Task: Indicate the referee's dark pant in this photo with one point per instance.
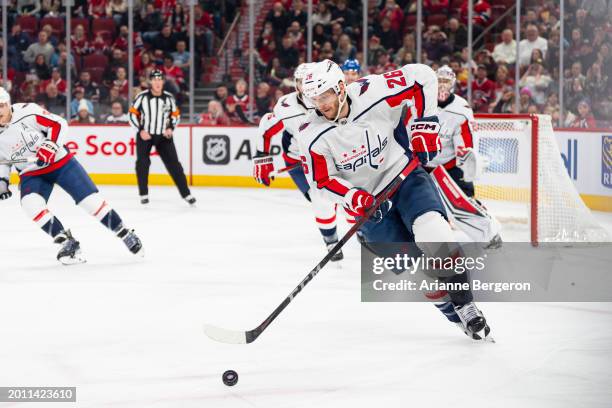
(167, 152)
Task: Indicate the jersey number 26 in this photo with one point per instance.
(395, 78)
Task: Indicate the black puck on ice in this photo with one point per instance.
(230, 377)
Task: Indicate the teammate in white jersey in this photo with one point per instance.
(285, 120)
(459, 160)
(32, 138)
(360, 145)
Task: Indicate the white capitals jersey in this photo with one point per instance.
(368, 148)
(456, 122)
(30, 125)
(287, 116)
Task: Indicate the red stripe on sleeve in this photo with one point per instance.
(268, 134)
(466, 134)
(321, 176)
(415, 92)
(51, 124)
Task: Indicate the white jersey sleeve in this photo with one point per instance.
(456, 131)
(30, 125)
(285, 120)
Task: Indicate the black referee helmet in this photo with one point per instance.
(157, 73)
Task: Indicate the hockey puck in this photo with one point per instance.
(230, 377)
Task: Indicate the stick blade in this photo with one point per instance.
(225, 335)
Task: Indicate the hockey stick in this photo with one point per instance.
(285, 169)
(244, 337)
(17, 161)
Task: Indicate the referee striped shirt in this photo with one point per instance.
(153, 113)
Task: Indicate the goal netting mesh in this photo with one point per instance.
(525, 166)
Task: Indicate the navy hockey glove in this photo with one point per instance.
(425, 139)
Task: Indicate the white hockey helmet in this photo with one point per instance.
(446, 82)
(4, 96)
(320, 77)
(447, 73)
(300, 71)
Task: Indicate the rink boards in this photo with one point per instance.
(221, 156)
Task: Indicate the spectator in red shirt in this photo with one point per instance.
(122, 82)
(97, 8)
(78, 41)
(237, 104)
(56, 80)
(175, 78)
(483, 90)
(394, 13)
(215, 115)
(481, 17)
(585, 118)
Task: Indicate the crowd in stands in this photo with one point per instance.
(337, 35)
(38, 57)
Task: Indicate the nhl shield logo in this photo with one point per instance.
(216, 149)
(606, 161)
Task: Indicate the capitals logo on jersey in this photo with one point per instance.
(365, 154)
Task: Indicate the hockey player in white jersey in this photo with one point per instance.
(360, 145)
(32, 138)
(458, 164)
(284, 121)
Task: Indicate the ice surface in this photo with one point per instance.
(128, 332)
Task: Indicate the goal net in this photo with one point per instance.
(525, 166)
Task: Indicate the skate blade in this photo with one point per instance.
(72, 260)
(140, 253)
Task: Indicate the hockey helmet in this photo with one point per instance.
(321, 77)
(351, 65)
(446, 82)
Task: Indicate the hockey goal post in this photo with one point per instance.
(524, 165)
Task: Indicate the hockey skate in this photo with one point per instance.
(144, 200)
(473, 322)
(338, 256)
(495, 243)
(131, 241)
(70, 252)
(190, 200)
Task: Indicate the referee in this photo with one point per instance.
(155, 115)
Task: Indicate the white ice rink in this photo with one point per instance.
(127, 332)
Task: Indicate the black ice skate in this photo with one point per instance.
(131, 241)
(495, 243)
(190, 200)
(70, 252)
(473, 322)
(338, 256)
(144, 200)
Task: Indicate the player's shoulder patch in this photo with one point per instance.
(288, 106)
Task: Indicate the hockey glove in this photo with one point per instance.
(425, 139)
(5, 193)
(46, 152)
(469, 161)
(262, 167)
(357, 202)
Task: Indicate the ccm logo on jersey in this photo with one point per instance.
(360, 158)
(434, 127)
